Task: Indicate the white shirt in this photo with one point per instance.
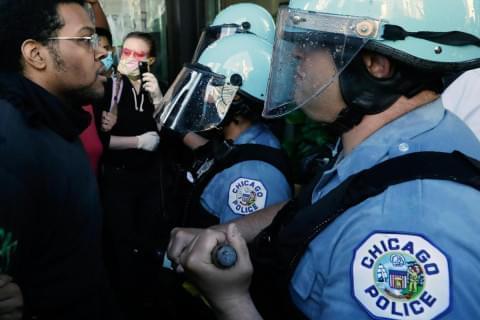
(462, 98)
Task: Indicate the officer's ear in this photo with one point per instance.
(378, 65)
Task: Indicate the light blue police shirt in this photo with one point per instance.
(411, 252)
(247, 186)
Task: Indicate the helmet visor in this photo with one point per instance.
(214, 33)
(198, 100)
(311, 51)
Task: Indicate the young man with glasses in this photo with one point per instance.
(50, 216)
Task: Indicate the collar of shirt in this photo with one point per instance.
(249, 135)
(392, 139)
(389, 141)
(40, 106)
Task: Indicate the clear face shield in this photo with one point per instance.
(214, 33)
(198, 100)
(311, 51)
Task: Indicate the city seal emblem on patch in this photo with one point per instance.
(246, 196)
(401, 276)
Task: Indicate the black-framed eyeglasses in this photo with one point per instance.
(93, 40)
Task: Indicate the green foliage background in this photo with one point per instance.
(303, 138)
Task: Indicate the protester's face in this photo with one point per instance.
(315, 70)
(105, 44)
(134, 51)
(75, 65)
(135, 48)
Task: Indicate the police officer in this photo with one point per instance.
(244, 171)
(372, 69)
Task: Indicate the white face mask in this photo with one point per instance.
(129, 67)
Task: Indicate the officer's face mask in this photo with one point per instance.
(310, 53)
(108, 61)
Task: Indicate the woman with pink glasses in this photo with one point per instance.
(130, 182)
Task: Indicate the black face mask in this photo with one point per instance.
(365, 94)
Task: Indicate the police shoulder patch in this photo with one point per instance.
(246, 196)
(401, 276)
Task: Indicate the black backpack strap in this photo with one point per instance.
(226, 156)
(278, 249)
(309, 222)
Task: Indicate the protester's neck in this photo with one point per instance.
(372, 123)
(136, 83)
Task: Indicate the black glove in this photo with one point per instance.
(167, 134)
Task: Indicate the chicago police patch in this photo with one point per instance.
(246, 196)
(401, 276)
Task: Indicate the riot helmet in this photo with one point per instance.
(237, 18)
(229, 78)
(424, 38)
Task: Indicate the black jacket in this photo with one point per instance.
(50, 216)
